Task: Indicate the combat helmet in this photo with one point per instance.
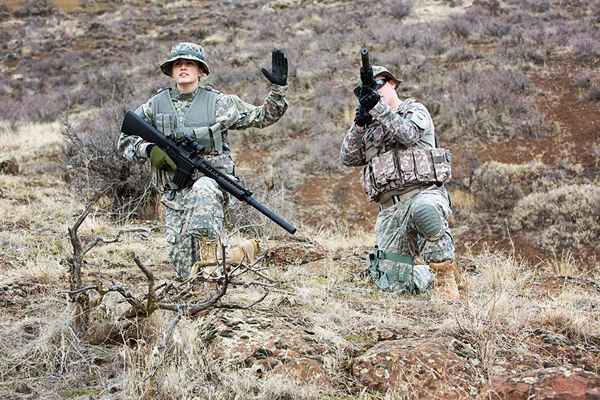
(188, 51)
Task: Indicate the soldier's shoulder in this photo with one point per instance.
(210, 88)
(160, 92)
(413, 105)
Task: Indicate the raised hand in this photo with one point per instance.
(279, 68)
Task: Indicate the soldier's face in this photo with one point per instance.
(185, 71)
(388, 93)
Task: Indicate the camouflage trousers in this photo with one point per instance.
(192, 214)
(398, 233)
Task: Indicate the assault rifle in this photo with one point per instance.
(366, 71)
(188, 159)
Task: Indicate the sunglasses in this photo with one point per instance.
(379, 83)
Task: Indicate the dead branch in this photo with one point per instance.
(239, 307)
(100, 240)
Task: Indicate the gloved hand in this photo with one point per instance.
(362, 118)
(368, 98)
(279, 68)
(160, 160)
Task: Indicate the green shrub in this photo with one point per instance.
(501, 186)
(563, 218)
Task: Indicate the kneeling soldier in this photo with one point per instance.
(203, 115)
(404, 172)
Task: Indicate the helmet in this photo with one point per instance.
(187, 51)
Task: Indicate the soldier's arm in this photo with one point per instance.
(408, 130)
(237, 114)
(352, 153)
(134, 148)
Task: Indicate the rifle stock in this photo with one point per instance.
(187, 162)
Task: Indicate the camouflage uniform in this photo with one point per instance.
(413, 216)
(196, 213)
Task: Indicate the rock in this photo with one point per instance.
(8, 165)
(547, 383)
(295, 253)
(419, 367)
(23, 388)
(267, 346)
(303, 371)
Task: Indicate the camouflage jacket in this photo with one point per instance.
(231, 112)
(407, 127)
(397, 150)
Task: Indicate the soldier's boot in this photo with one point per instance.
(207, 250)
(445, 287)
(244, 252)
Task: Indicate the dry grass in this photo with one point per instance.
(29, 141)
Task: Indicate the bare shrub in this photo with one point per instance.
(31, 8)
(583, 81)
(460, 27)
(593, 93)
(460, 54)
(537, 6)
(92, 162)
(497, 29)
(563, 218)
(585, 46)
(242, 218)
(400, 8)
(324, 152)
(492, 103)
(501, 186)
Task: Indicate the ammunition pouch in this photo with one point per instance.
(398, 169)
(210, 139)
(399, 272)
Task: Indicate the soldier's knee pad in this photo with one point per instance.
(428, 221)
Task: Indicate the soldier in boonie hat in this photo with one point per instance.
(382, 73)
(186, 51)
(202, 115)
(404, 172)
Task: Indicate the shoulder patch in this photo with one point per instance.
(419, 119)
(162, 89)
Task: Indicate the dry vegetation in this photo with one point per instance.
(513, 88)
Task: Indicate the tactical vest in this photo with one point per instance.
(195, 122)
(396, 168)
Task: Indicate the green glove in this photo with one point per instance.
(160, 159)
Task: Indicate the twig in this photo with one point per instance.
(150, 296)
(238, 307)
(99, 239)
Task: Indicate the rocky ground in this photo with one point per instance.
(528, 326)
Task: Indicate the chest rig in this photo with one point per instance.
(192, 123)
(395, 167)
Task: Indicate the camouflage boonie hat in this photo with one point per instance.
(187, 51)
(383, 71)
